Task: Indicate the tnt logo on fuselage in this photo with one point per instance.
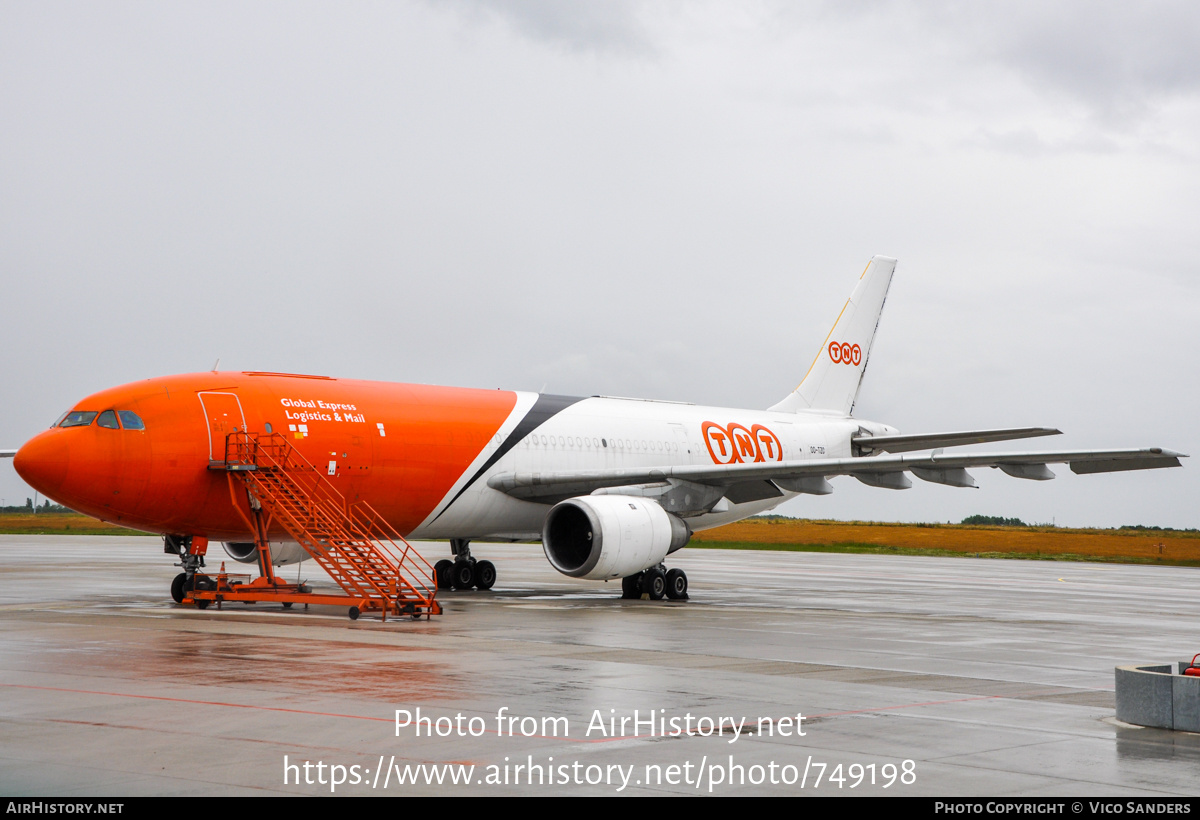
(735, 444)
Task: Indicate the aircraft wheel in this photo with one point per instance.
(677, 585)
(631, 587)
(485, 575)
(463, 575)
(198, 583)
(441, 573)
(177, 587)
(656, 583)
(354, 613)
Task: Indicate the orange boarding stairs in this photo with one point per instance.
(376, 568)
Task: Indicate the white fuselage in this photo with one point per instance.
(616, 433)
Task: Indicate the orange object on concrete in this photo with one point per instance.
(372, 563)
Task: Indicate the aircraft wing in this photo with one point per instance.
(881, 471)
(927, 441)
(7, 453)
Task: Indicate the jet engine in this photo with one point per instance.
(598, 537)
(282, 552)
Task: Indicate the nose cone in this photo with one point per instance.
(42, 463)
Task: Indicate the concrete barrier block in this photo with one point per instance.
(1185, 703)
(1145, 695)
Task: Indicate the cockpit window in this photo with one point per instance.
(131, 420)
(108, 419)
(78, 418)
(61, 419)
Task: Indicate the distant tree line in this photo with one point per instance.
(994, 521)
(44, 507)
(1144, 528)
(977, 520)
(999, 521)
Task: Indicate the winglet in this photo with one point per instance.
(833, 379)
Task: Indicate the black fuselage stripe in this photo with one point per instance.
(545, 408)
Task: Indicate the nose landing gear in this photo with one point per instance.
(191, 551)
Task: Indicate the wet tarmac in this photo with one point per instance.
(932, 676)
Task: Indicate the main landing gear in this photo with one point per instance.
(656, 582)
(464, 572)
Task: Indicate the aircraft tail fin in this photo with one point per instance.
(833, 379)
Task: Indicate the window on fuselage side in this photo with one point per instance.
(108, 420)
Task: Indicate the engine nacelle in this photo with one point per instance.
(282, 552)
(610, 536)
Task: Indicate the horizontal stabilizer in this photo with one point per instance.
(927, 441)
(7, 453)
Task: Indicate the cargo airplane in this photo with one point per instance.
(610, 486)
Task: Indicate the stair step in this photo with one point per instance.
(345, 542)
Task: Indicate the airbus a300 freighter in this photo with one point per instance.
(611, 486)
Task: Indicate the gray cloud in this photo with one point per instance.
(608, 27)
(409, 192)
(1119, 59)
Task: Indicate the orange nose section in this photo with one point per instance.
(42, 463)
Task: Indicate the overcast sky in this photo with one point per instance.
(668, 200)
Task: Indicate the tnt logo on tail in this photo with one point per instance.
(735, 444)
(843, 353)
